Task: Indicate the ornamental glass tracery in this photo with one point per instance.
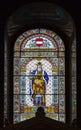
(39, 75)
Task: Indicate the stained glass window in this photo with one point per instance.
(39, 75)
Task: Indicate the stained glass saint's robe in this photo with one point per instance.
(38, 85)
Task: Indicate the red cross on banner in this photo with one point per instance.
(39, 41)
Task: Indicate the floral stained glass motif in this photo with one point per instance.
(39, 75)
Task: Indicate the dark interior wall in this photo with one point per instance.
(73, 8)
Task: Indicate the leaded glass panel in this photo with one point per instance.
(39, 75)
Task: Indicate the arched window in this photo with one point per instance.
(40, 63)
(39, 75)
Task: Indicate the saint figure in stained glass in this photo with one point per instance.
(39, 75)
(39, 81)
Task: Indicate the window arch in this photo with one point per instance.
(53, 18)
(39, 75)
